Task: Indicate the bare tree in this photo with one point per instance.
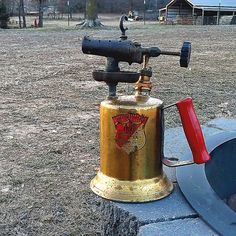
(40, 2)
(4, 16)
(40, 10)
(62, 6)
(22, 13)
(12, 6)
(91, 15)
(131, 5)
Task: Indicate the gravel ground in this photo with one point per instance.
(49, 110)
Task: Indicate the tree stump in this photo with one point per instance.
(91, 19)
(90, 23)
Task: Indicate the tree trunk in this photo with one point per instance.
(91, 9)
(19, 17)
(22, 12)
(131, 5)
(40, 13)
(91, 19)
(4, 17)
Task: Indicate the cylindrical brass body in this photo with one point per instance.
(131, 142)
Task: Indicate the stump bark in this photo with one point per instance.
(91, 16)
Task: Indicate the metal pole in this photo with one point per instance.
(218, 14)
(144, 11)
(157, 11)
(203, 16)
(193, 16)
(68, 4)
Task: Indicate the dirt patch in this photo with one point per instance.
(49, 113)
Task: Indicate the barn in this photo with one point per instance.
(200, 12)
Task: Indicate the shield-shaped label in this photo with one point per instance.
(130, 133)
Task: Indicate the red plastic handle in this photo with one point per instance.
(193, 131)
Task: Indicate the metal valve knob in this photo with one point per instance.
(185, 54)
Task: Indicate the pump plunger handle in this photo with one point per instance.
(185, 54)
(193, 131)
(122, 28)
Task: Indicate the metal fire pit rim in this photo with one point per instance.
(192, 180)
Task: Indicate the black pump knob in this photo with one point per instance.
(122, 28)
(185, 54)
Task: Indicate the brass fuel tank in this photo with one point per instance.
(131, 143)
(131, 127)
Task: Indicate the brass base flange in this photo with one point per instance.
(131, 191)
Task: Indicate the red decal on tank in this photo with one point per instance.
(126, 126)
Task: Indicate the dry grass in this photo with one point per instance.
(49, 115)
